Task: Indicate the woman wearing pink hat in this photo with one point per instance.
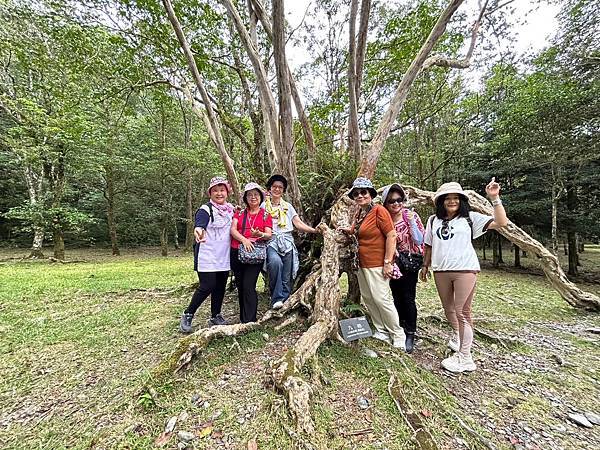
(450, 254)
(211, 253)
(250, 228)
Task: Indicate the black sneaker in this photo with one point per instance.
(217, 320)
(185, 324)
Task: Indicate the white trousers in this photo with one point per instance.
(377, 296)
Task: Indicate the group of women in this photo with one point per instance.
(394, 250)
(245, 241)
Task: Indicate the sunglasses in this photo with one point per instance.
(396, 200)
(362, 192)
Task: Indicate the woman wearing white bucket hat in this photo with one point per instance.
(450, 254)
(250, 228)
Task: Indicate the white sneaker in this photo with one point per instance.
(459, 363)
(278, 305)
(454, 343)
(382, 336)
(399, 343)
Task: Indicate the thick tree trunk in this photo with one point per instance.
(38, 242)
(353, 130)
(371, 155)
(483, 246)
(59, 244)
(572, 203)
(109, 195)
(213, 127)
(494, 249)
(164, 240)
(55, 173)
(34, 180)
(517, 252)
(266, 97)
(287, 370)
(189, 212)
(287, 160)
(256, 8)
(499, 243)
(550, 264)
(573, 260)
(554, 233)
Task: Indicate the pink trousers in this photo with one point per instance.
(456, 290)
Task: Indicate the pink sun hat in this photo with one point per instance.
(214, 181)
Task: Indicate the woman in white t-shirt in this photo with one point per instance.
(450, 254)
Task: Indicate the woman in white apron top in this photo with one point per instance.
(211, 253)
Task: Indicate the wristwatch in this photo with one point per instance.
(386, 261)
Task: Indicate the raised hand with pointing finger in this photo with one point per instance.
(493, 189)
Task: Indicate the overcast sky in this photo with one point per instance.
(531, 26)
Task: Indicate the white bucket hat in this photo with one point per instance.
(449, 188)
(250, 186)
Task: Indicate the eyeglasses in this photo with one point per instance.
(277, 186)
(362, 192)
(395, 200)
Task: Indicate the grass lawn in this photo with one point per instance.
(78, 340)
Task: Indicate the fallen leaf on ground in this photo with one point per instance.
(252, 444)
(205, 429)
(426, 413)
(162, 439)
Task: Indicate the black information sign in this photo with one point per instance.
(355, 328)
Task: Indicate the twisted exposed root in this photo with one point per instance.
(190, 346)
(423, 437)
(286, 371)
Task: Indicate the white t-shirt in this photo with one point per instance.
(451, 246)
(291, 213)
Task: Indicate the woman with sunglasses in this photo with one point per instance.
(376, 237)
(409, 240)
(450, 253)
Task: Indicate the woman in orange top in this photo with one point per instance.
(376, 237)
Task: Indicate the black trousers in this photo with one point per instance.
(246, 276)
(213, 284)
(404, 291)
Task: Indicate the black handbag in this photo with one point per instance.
(255, 256)
(409, 262)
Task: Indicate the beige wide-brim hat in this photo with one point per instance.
(449, 188)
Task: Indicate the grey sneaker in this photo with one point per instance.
(217, 320)
(185, 324)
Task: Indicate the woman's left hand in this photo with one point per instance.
(493, 189)
(255, 232)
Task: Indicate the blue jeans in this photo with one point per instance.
(279, 269)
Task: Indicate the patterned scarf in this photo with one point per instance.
(278, 212)
(224, 209)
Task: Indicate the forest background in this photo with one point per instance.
(109, 134)
(99, 143)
